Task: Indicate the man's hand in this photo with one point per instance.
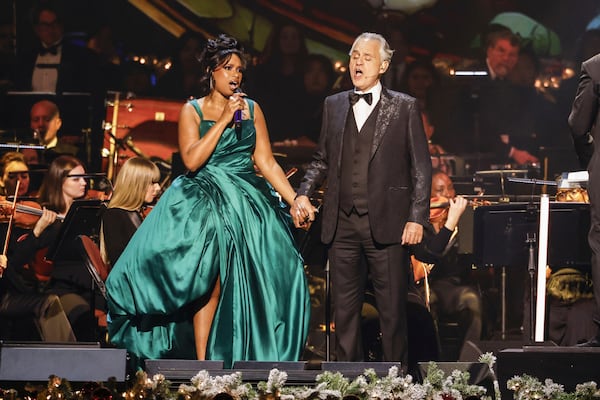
(523, 157)
(303, 212)
(413, 233)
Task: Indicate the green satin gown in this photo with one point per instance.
(221, 222)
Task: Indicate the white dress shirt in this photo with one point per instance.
(45, 72)
(362, 109)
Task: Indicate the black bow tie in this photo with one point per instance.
(49, 50)
(354, 97)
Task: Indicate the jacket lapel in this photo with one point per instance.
(386, 110)
(338, 123)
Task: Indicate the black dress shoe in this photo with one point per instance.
(593, 342)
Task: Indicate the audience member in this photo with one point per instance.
(55, 65)
(398, 41)
(182, 80)
(102, 42)
(7, 54)
(421, 80)
(138, 80)
(277, 81)
(318, 79)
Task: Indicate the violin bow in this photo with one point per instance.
(10, 222)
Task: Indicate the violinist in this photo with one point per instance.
(13, 169)
(136, 185)
(450, 296)
(70, 281)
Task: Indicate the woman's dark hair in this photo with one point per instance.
(424, 63)
(217, 53)
(325, 63)
(51, 194)
(272, 52)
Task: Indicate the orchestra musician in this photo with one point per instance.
(13, 169)
(68, 280)
(437, 269)
(136, 185)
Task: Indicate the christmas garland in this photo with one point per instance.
(328, 386)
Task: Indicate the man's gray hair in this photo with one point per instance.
(384, 48)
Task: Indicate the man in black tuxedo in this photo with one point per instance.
(55, 66)
(374, 154)
(585, 128)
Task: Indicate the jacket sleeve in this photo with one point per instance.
(582, 118)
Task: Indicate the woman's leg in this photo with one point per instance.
(203, 320)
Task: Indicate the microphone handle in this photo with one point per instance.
(237, 119)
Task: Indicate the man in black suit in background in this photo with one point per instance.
(374, 155)
(585, 128)
(55, 65)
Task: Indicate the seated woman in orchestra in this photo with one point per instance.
(13, 169)
(136, 185)
(443, 275)
(69, 280)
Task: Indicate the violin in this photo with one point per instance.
(26, 213)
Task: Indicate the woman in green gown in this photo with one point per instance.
(218, 232)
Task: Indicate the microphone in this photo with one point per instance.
(237, 116)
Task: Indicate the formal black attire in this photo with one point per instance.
(118, 226)
(585, 127)
(378, 179)
(78, 69)
(68, 279)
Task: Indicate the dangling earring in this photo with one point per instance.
(211, 83)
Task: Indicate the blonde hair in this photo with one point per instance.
(132, 183)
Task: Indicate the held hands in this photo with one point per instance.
(48, 217)
(413, 233)
(303, 212)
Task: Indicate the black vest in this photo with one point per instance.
(356, 154)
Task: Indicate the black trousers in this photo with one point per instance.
(594, 234)
(353, 257)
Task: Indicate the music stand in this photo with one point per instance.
(503, 236)
(83, 218)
